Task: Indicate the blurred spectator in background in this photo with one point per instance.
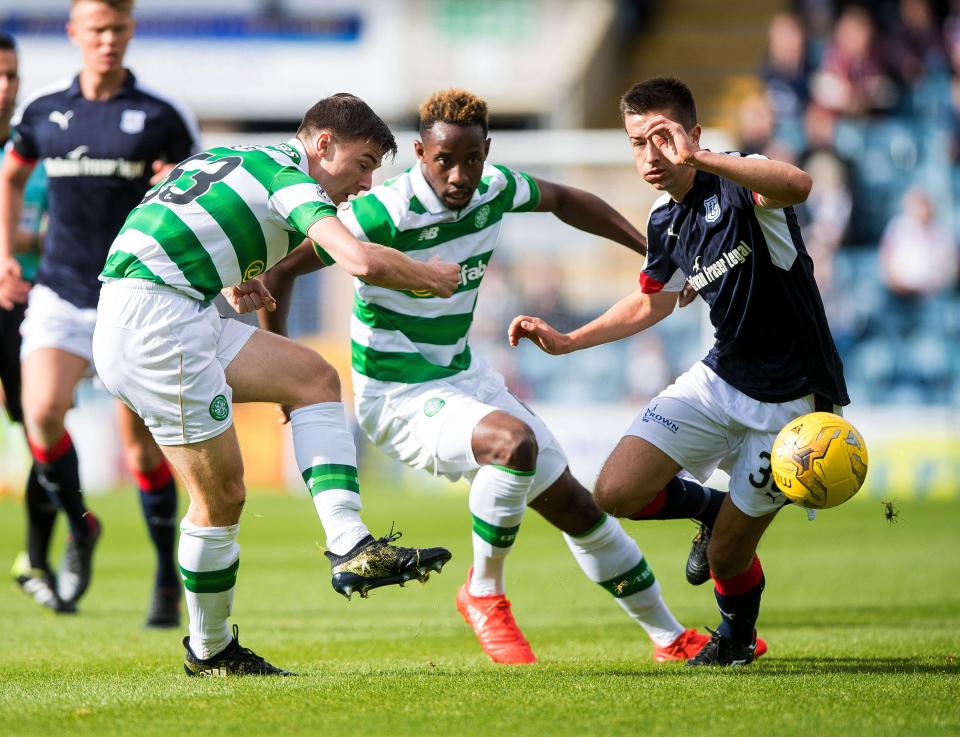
(854, 80)
(825, 216)
(648, 371)
(916, 42)
(918, 258)
(786, 69)
(755, 125)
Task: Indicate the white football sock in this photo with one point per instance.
(611, 558)
(327, 459)
(498, 498)
(209, 558)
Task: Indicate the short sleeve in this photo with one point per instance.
(522, 189)
(297, 201)
(183, 139)
(659, 272)
(23, 141)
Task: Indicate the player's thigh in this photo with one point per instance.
(735, 538)
(633, 474)
(212, 472)
(49, 378)
(272, 368)
(140, 449)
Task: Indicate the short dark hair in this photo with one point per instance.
(661, 93)
(7, 42)
(350, 118)
(454, 106)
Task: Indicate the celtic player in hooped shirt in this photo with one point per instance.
(725, 224)
(218, 219)
(424, 398)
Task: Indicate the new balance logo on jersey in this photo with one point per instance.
(429, 234)
(61, 119)
(718, 268)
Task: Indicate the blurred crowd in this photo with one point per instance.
(866, 98)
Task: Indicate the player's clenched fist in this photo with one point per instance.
(250, 297)
(539, 333)
(447, 277)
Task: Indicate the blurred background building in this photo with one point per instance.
(866, 97)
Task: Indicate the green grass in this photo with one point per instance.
(862, 618)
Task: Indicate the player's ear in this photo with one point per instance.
(323, 144)
(418, 149)
(695, 134)
(486, 149)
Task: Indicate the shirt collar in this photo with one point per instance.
(296, 144)
(424, 192)
(126, 88)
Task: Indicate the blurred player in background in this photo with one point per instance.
(725, 225)
(219, 219)
(425, 400)
(101, 137)
(28, 237)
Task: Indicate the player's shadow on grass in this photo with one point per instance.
(865, 666)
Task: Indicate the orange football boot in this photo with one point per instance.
(684, 647)
(494, 625)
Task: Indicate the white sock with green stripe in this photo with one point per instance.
(209, 558)
(498, 498)
(327, 458)
(611, 558)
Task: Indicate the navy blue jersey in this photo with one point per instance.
(750, 265)
(98, 156)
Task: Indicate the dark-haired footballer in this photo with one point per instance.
(218, 219)
(424, 398)
(724, 225)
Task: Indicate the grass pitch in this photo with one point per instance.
(861, 617)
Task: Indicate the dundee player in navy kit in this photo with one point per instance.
(726, 226)
(101, 136)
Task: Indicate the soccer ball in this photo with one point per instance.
(819, 460)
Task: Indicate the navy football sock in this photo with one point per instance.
(41, 515)
(158, 500)
(58, 473)
(682, 499)
(738, 599)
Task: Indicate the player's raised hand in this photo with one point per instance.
(250, 297)
(671, 138)
(546, 338)
(160, 170)
(447, 277)
(13, 289)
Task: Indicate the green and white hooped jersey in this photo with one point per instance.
(220, 218)
(410, 337)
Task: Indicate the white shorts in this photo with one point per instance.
(430, 425)
(163, 354)
(53, 322)
(703, 424)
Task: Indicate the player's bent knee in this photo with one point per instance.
(727, 560)
(516, 447)
(322, 384)
(44, 421)
(142, 456)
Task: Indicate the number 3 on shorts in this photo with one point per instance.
(764, 473)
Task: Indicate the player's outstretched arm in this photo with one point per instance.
(381, 266)
(13, 181)
(632, 314)
(778, 183)
(589, 213)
